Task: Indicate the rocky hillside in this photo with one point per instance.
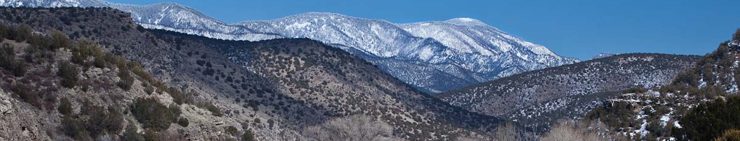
(283, 89)
(538, 98)
(701, 103)
(55, 88)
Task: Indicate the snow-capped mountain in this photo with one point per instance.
(376, 37)
(175, 17)
(422, 62)
(53, 3)
(489, 48)
(433, 56)
(602, 55)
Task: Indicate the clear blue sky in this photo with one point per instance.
(574, 28)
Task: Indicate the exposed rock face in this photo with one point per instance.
(19, 120)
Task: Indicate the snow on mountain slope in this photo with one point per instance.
(175, 17)
(487, 44)
(379, 38)
(538, 98)
(432, 56)
(464, 48)
(53, 3)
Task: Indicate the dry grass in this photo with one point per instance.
(570, 131)
(729, 135)
(351, 128)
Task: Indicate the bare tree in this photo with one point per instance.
(570, 131)
(507, 132)
(351, 128)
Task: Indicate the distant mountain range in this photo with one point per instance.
(433, 56)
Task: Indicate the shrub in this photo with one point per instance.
(175, 110)
(8, 61)
(729, 135)
(26, 93)
(137, 69)
(99, 62)
(7, 55)
(93, 122)
(616, 114)
(148, 88)
(215, 111)
(23, 33)
(32, 54)
(59, 40)
(69, 73)
(177, 96)
(710, 120)
(131, 135)
(153, 115)
(636, 90)
(19, 69)
(41, 42)
(78, 58)
(248, 136)
(183, 122)
(126, 79)
(152, 135)
(74, 128)
(65, 107)
(111, 121)
(114, 60)
(4, 31)
(84, 49)
(231, 130)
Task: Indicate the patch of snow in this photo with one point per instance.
(643, 129)
(666, 118)
(426, 54)
(676, 124)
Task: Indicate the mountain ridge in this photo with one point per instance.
(398, 50)
(280, 89)
(538, 98)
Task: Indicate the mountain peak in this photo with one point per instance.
(320, 14)
(324, 16)
(466, 21)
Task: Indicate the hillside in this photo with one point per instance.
(701, 103)
(282, 89)
(434, 56)
(536, 99)
(55, 88)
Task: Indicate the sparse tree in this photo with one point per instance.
(69, 73)
(59, 40)
(65, 107)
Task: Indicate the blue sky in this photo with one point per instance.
(573, 28)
